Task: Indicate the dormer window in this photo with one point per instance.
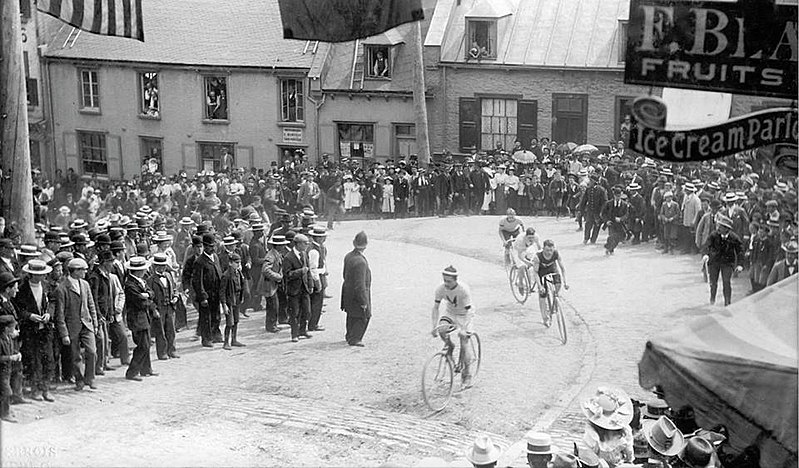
(482, 39)
(379, 61)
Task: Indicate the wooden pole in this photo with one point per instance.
(419, 105)
(17, 184)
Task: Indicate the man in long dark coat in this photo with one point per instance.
(356, 298)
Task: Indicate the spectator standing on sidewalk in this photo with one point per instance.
(10, 358)
(724, 255)
(76, 318)
(166, 298)
(232, 293)
(356, 298)
(317, 258)
(36, 327)
(272, 278)
(335, 197)
(140, 310)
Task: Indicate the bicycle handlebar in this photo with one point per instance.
(445, 328)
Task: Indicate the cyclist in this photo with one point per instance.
(509, 228)
(523, 249)
(547, 261)
(458, 312)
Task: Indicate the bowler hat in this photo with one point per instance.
(208, 239)
(7, 279)
(117, 246)
(137, 263)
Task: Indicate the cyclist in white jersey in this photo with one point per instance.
(458, 312)
(524, 248)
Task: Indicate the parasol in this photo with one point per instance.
(524, 157)
(567, 148)
(586, 149)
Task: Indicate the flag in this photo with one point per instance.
(121, 18)
(345, 20)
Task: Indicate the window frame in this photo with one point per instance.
(140, 104)
(618, 118)
(95, 109)
(623, 29)
(81, 147)
(370, 50)
(585, 98)
(339, 141)
(204, 96)
(505, 145)
(147, 138)
(200, 166)
(300, 102)
(492, 36)
(395, 150)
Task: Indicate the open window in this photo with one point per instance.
(482, 39)
(216, 98)
(378, 58)
(149, 95)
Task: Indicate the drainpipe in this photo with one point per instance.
(317, 105)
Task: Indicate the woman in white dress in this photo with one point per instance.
(349, 190)
(388, 196)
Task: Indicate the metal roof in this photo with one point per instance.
(240, 33)
(541, 33)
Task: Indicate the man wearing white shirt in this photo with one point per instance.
(317, 256)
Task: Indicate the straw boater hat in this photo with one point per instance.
(137, 263)
(713, 185)
(160, 259)
(724, 221)
(161, 236)
(483, 451)
(27, 250)
(318, 231)
(633, 186)
(278, 239)
(257, 227)
(64, 210)
(655, 408)
(730, 197)
(689, 187)
(229, 240)
(186, 221)
(792, 246)
(146, 210)
(78, 224)
(663, 436)
(37, 267)
(609, 408)
(539, 443)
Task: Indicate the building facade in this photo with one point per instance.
(182, 100)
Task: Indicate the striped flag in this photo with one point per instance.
(121, 18)
(345, 20)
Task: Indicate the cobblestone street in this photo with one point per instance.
(321, 402)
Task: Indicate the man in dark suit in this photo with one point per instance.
(257, 255)
(615, 213)
(36, 327)
(272, 278)
(299, 285)
(724, 255)
(787, 266)
(206, 282)
(591, 205)
(480, 183)
(356, 298)
(76, 319)
(140, 309)
(7, 261)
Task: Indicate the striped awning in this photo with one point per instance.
(738, 368)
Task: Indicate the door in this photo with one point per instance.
(569, 118)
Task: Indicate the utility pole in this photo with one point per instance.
(419, 105)
(17, 184)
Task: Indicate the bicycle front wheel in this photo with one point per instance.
(437, 381)
(520, 289)
(558, 313)
(477, 352)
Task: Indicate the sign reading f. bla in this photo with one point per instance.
(740, 47)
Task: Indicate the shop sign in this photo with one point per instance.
(292, 135)
(742, 47)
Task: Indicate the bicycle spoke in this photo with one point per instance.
(437, 382)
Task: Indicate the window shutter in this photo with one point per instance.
(190, 158)
(527, 123)
(469, 116)
(71, 152)
(244, 157)
(113, 153)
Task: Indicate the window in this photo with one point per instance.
(378, 62)
(569, 118)
(497, 124)
(212, 155)
(90, 90)
(152, 149)
(404, 140)
(622, 40)
(216, 98)
(482, 36)
(356, 140)
(31, 84)
(292, 99)
(149, 97)
(93, 153)
(623, 120)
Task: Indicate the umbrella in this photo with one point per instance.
(586, 149)
(567, 147)
(524, 157)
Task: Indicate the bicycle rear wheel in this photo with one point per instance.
(477, 352)
(546, 318)
(520, 292)
(437, 380)
(558, 313)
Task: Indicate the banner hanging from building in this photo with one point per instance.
(345, 20)
(650, 137)
(122, 18)
(742, 47)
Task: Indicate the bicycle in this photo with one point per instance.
(521, 289)
(554, 308)
(438, 373)
(506, 257)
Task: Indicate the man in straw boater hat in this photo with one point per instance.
(272, 278)
(539, 449)
(317, 257)
(36, 327)
(163, 284)
(356, 298)
(459, 314)
(724, 255)
(76, 319)
(140, 310)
